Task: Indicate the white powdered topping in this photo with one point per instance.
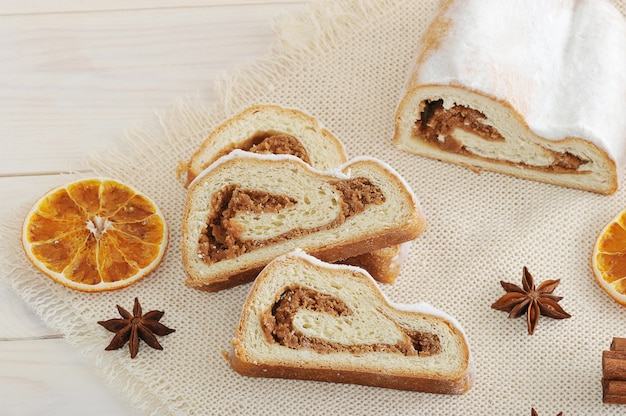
(560, 64)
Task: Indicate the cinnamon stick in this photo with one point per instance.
(614, 365)
(618, 344)
(614, 391)
(614, 372)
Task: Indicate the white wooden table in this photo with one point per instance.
(74, 76)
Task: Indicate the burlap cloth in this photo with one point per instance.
(345, 62)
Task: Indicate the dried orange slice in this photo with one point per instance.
(95, 234)
(609, 258)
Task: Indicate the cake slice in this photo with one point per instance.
(272, 129)
(534, 89)
(269, 129)
(246, 209)
(306, 319)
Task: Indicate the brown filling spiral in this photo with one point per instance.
(436, 125)
(220, 239)
(278, 327)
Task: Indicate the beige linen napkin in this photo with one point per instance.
(345, 62)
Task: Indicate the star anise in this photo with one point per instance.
(533, 412)
(133, 327)
(530, 300)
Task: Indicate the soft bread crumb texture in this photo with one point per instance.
(395, 220)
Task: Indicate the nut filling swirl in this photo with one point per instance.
(272, 142)
(278, 327)
(279, 144)
(222, 237)
(436, 125)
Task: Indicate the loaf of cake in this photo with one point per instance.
(246, 209)
(272, 129)
(534, 89)
(306, 319)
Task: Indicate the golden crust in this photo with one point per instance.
(352, 376)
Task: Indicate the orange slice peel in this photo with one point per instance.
(95, 235)
(608, 260)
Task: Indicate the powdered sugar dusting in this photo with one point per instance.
(561, 64)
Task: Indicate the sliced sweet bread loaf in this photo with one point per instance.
(246, 209)
(306, 319)
(534, 89)
(271, 129)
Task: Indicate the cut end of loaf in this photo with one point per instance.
(463, 127)
(311, 320)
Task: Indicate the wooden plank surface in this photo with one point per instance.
(48, 377)
(19, 321)
(74, 76)
(71, 83)
(69, 6)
